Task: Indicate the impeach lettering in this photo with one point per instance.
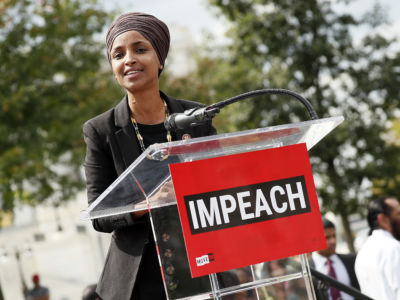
(247, 204)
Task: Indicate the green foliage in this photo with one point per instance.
(309, 48)
(51, 81)
(209, 83)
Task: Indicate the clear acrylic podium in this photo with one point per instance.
(146, 185)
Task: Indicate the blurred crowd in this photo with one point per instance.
(375, 269)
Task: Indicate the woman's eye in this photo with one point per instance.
(141, 50)
(118, 55)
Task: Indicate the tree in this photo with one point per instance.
(51, 81)
(309, 48)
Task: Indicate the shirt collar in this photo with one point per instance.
(382, 232)
(320, 260)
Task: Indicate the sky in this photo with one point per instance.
(197, 15)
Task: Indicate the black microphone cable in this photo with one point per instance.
(237, 98)
(198, 115)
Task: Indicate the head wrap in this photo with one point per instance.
(154, 30)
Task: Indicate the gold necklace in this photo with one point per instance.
(139, 136)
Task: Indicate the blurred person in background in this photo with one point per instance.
(137, 46)
(338, 266)
(38, 292)
(378, 261)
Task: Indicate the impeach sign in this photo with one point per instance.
(247, 208)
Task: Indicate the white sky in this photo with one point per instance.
(197, 15)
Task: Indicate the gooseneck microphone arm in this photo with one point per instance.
(237, 98)
(198, 115)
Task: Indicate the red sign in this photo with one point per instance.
(242, 209)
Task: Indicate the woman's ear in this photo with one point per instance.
(160, 68)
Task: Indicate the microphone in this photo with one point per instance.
(191, 117)
(198, 115)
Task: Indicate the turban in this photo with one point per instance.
(153, 29)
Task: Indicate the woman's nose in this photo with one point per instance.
(130, 58)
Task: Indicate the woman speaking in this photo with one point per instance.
(137, 46)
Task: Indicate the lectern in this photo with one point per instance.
(146, 184)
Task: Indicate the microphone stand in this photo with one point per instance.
(198, 115)
(237, 98)
(338, 285)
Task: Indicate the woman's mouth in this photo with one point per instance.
(132, 73)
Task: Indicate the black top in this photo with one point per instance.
(149, 283)
(153, 134)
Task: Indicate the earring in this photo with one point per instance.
(161, 67)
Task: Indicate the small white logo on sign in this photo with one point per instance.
(202, 260)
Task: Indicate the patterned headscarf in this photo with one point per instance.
(153, 29)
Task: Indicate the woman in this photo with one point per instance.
(137, 46)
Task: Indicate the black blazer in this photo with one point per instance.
(348, 261)
(111, 146)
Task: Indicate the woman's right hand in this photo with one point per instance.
(140, 213)
(165, 193)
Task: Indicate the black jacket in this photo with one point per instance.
(111, 146)
(348, 261)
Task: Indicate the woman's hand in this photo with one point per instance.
(165, 194)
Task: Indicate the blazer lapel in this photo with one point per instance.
(125, 137)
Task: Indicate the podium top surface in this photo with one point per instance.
(150, 171)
